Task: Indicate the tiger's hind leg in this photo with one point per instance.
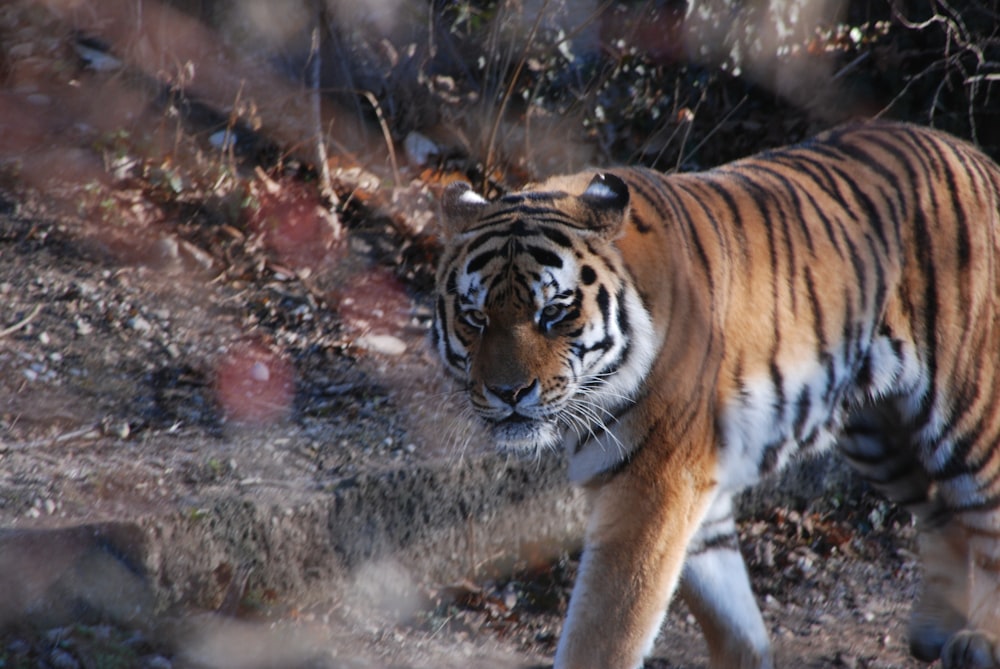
(977, 646)
(941, 611)
(878, 447)
(716, 587)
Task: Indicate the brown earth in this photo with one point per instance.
(114, 417)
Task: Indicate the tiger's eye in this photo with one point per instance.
(474, 317)
(551, 314)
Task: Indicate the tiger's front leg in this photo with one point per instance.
(637, 535)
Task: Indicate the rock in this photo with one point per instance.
(83, 328)
(139, 324)
(420, 149)
(384, 344)
(60, 659)
(224, 140)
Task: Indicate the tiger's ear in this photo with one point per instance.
(460, 206)
(607, 198)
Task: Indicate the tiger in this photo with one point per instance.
(680, 337)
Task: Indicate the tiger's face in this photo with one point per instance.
(533, 311)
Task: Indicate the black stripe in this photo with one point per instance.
(454, 359)
(640, 224)
(990, 503)
(923, 245)
(544, 256)
(819, 328)
(958, 463)
(889, 175)
(556, 236)
(604, 304)
(769, 458)
(722, 190)
(825, 182)
(795, 192)
(685, 218)
(803, 406)
(728, 541)
(480, 261)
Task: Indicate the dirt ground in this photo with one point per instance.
(114, 367)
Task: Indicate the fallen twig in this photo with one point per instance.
(21, 323)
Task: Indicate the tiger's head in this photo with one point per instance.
(536, 314)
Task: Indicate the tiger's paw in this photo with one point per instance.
(971, 649)
(930, 628)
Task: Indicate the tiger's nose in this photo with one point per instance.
(513, 393)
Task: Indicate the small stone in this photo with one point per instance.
(60, 659)
(202, 260)
(165, 252)
(509, 599)
(384, 344)
(767, 555)
(97, 59)
(846, 661)
(223, 139)
(139, 324)
(18, 647)
(260, 372)
(83, 328)
(420, 149)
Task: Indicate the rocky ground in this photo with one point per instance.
(134, 383)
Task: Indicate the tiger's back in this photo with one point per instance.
(859, 265)
(840, 291)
